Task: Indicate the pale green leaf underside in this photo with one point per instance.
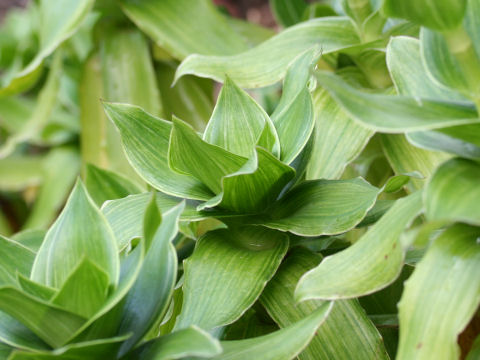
(268, 62)
(227, 262)
(441, 296)
(350, 273)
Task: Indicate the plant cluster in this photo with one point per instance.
(324, 206)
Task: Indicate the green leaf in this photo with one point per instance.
(349, 273)
(189, 154)
(453, 193)
(51, 323)
(150, 296)
(20, 172)
(103, 185)
(338, 139)
(145, 139)
(31, 239)
(238, 261)
(35, 289)
(187, 342)
(84, 291)
(439, 14)
(93, 350)
(359, 341)
(14, 257)
(474, 352)
(288, 12)
(284, 344)
(236, 113)
(397, 182)
(268, 62)
(15, 334)
(395, 114)
(441, 296)
(80, 231)
(255, 186)
(322, 207)
(183, 27)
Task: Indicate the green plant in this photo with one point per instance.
(298, 219)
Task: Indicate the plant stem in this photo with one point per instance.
(361, 9)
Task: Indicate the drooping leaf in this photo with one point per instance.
(80, 231)
(150, 295)
(395, 114)
(255, 186)
(349, 273)
(236, 113)
(189, 154)
(337, 139)
(103, 185)
(268, 62)
(453, 193)
(439, 15)
(187, 342)
(145, 139)
(14, 257)
(183, 27)
(359, 340)
(224, 262)
(441, 296)
(322, 207)
(283, 344)
(84, 291)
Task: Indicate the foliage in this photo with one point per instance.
(335, 176)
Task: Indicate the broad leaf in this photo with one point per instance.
(322, 207)
(191, 341)
(106, 185)
(189, 154)
(81, 231)
(35, 289)
(145, 139)
(284, 344)
(224, 262)
(441, 296)
(149, 297)
(15, 334)
(14, 258)
(395, 114)
(453, 193)
(255, 186)
(183, 27)
(349, 273)
(360, 339)
(338, 139)
(268, 62)
(236, 113)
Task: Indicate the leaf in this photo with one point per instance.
(84, 291)
(358, 341)
(35, 289)
(397, 182)
(267, 63)
(180, 344)
(293, 116)
(453, 193)
(14, 258)
(338, 139)
(284, 344)
(239, 261)
(93, 350)
(183, 27)
(349, 273)
(441, 296)
(52, 324)
(80, 231)
(439, 15)
(17, 335)
(322, 207)
(150, 296)
(20, 172)
(31, 239)
(288, 12)
(396, 114)
(255, 186)
(189, 154)
(145, 139)
(106, 185)
(58, 21)
(236, 113)
(475, 350)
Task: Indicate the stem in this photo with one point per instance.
(460, 45)
(361, 9)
